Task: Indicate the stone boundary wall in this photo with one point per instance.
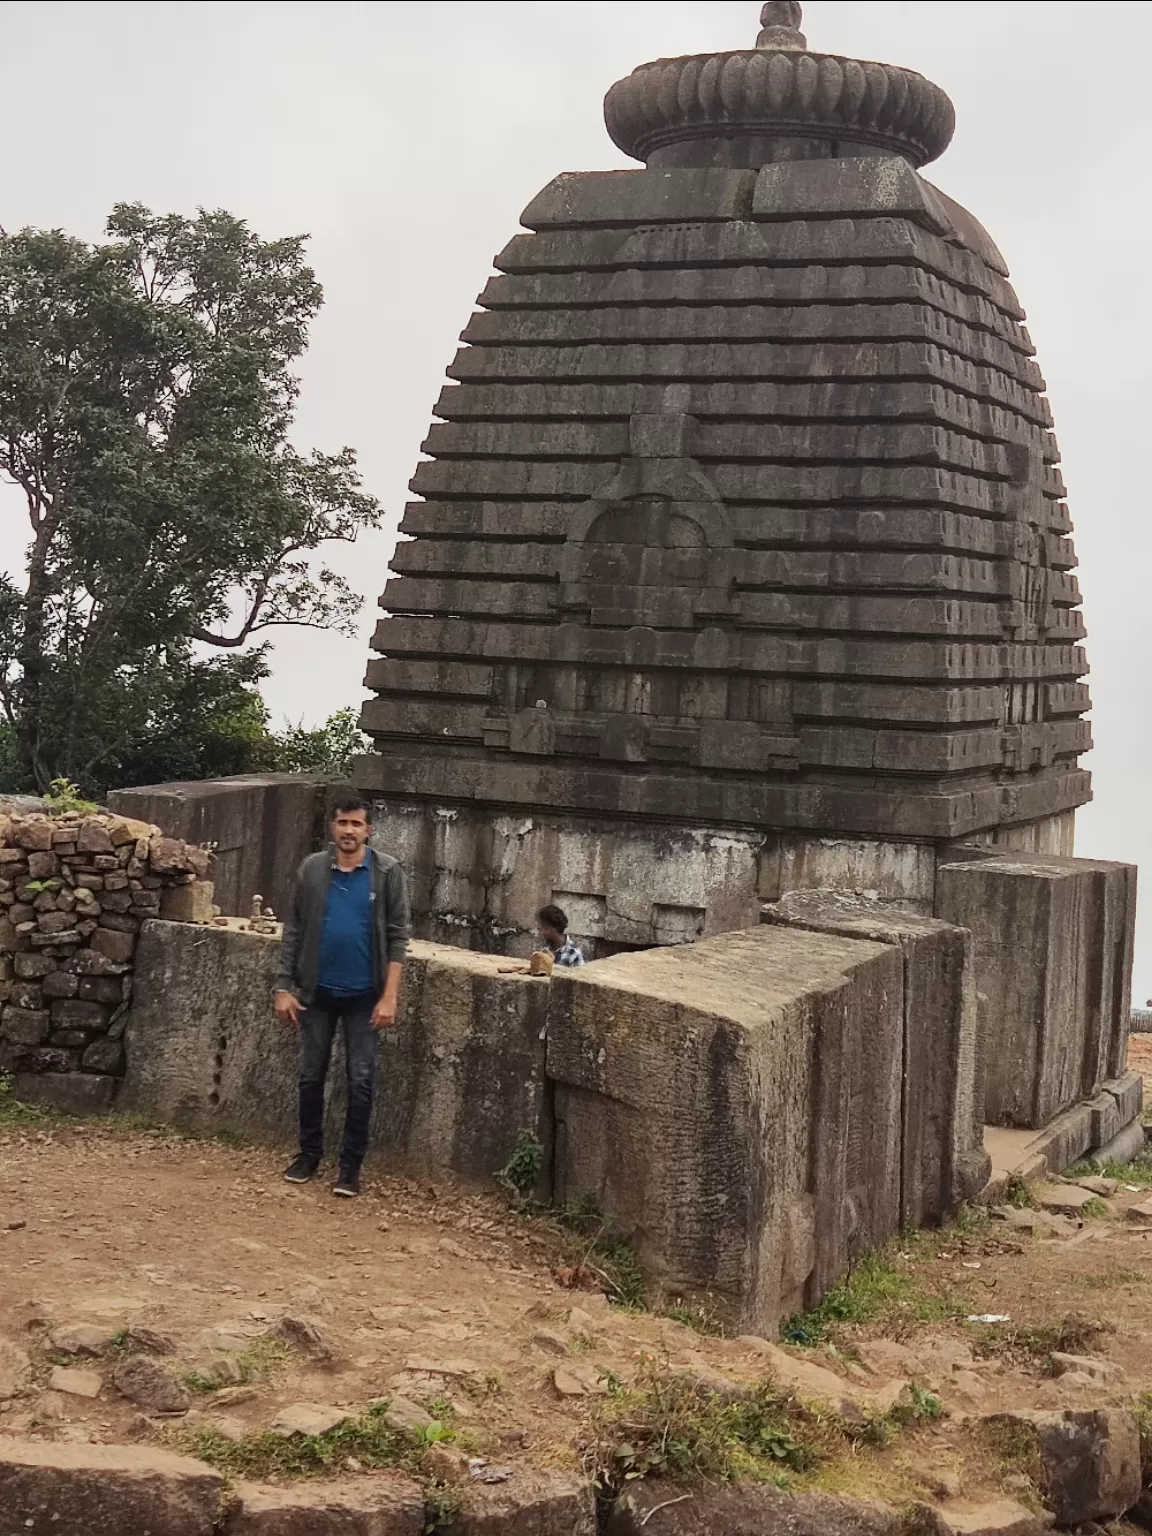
(74, 892)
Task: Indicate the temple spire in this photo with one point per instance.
(780, 26)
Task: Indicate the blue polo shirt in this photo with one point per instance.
(346, 939)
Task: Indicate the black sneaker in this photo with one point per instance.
(348, 1184)
(301, 1170)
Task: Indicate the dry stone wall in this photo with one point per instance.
(74, 892)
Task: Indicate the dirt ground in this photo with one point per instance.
(441, 1295)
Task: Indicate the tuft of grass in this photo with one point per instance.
(1074, 1334)
(367, 1438)
(1139, 1171)
(701, 1317)
(663, 1426)
(263, 1359)
(1094, 1209)
(1114, 1279)
(879, 1290)
(1013, 1447)
(1018, 1193)
(600, 1246)
(15, 1112)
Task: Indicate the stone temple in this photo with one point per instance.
(741, 561)
(738, 617)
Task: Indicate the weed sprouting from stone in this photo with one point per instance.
(521, 1173)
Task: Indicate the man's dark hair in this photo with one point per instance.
(553, 917)
(345, 804)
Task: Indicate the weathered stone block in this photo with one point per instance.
(943, 1161)
(93, 837)
(187, 903)
(1090, 1459)
(24, 1026)
(33, 833)
(533, 1503)
(657, 1509)
(113, 945)
(34, 966)
(735, 1106)
(105, 1490)
(75, 1093)
(649, 197)
(263, 825)
(10, 940)
(1052, 949)
(75, 1013)
(104, 1056)
(377, 1506)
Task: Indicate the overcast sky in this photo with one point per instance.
(406, 138)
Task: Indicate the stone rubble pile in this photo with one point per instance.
(74, 891)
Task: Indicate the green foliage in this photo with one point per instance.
(521, 1172)
(880, 1289)
(663, 1426)
(924, 1408)
(14, 1112)
(1018, 1193)
(329, 749)
(262, 1360)
(62, 796)
(368, 1438)
(146, 399)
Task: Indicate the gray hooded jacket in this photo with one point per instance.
(304, 923)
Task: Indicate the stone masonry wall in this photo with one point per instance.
(74, 891)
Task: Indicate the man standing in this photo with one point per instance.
(552, 924)
(345, 942)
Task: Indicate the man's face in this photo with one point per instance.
(350, 830)
(550, 936)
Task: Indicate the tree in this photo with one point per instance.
(329, 749)
(146, 395)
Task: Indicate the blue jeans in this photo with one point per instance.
(318, 1025)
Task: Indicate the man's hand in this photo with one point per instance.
(287, 1008)
(384, 1013)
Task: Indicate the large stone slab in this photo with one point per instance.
(262, 827)
(531, 1503)
(943, 1160)
(105, 1490)
(1052, 948)
(735, 1106)
(660, 1509)
(362, 1506)
(461, 1073)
